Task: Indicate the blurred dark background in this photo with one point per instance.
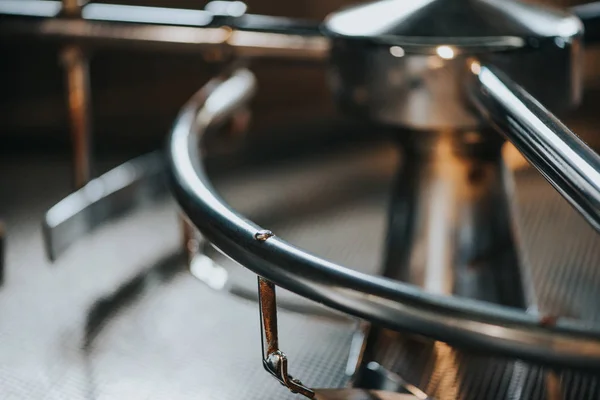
(136, 94)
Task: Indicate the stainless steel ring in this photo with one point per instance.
(464, 323)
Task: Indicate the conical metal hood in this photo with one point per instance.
(450, 22)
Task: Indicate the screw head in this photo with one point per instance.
(263, 235)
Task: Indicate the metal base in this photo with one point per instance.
(137, 326)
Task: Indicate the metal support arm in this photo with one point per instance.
(562, 158)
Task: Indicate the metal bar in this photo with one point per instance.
(268, 317)
(274, 360)
(563, 159)
(167, 29)
(220, 100)
(75, 64)
(465, 323)
(123, 188)
(76, 67)
(160, 15)
(176, 38)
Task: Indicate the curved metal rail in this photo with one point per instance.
(461, 322)
(121, 189)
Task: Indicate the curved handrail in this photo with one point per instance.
(461, 322)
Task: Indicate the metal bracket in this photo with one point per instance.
(274, 360)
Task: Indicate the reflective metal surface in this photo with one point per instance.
(120, 190)
(145, 321)
(468, 25)
(462, 322)
(166, 29)
(215, 13)
(75, 64)
(274, 360)
(403, 63)
(563, 158)
(451, 229)
(76, 67)
(387, 85)
(120, 317)
(463, 245)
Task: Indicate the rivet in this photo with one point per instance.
(263, 235)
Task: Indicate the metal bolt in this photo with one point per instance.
(263, 235)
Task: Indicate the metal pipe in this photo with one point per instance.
(212, 16)
(164, 29)
(162, 37)
(119, 190)
(563, 159)
(75, 64)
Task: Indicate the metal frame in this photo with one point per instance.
(155, 28)
(123, 188)
(217, 34)
(465, 323)
(569, 164)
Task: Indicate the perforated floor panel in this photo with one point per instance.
(118, 317)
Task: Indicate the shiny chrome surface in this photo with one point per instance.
(391, 85)
(240, 43)
(467, 25)
(462, 322)
(263, 235)
(152, 327)
(215, 13)
(104, 198)
(562, 158)
(402, 63)
(165, 29)
(118, 316)
(452, 231)
(75, 64)
(451, 221)
(387, 85)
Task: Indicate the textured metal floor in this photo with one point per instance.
(118, 318)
